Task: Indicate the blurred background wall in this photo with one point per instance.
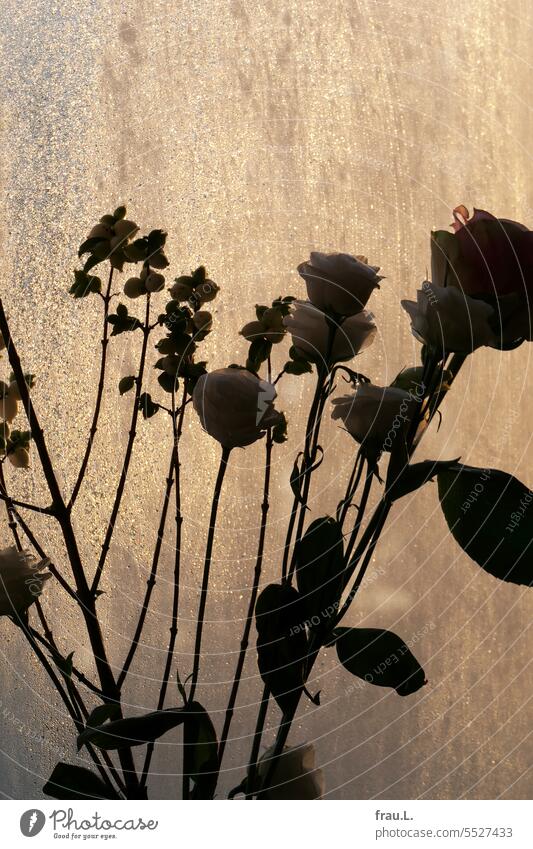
(255, 132)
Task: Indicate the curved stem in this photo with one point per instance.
(360, 512)
(251, 605)
(99, 395)
(127, 456)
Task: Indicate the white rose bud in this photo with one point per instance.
(448, 320)
(375, 416)
(310, 333)
(154, 282)
(134, 288)
(8, 406)
(339, 283)
(21, 580)
(19, 458)
(234, 406)
(294, 775)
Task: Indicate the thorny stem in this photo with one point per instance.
(127, 457)
(62, 514)
(251, 605)
(99, 394)
(177, 430)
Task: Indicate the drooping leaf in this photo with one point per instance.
(102, 714)
(201, 752)
(490, 515)
(135, 730)
(379, 657)
(281, 643)
(319, 570)
(69, 781)
(416, 475)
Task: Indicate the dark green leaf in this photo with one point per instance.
(281, 643)
(102, 713)
(319, 571)
(379, 657)
(279, 431)
(416, 475)
(126, 383)
(122, 322)
(168, 382)
(297, 367)
(119, 213)
(91, 262)
(76, 782)
(147, 406)
(201, 752)
(133, 731)
(84, 284)
(490, 515)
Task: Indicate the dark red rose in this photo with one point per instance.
(489, 258)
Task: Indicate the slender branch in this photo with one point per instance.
(99, 394)
(48, 511)
(351, 488)
(127, 457)
(177, 430)
(360, 512)
(62, 514)
(258, 733)
(207, 568)
(150, 583)
(251, 605)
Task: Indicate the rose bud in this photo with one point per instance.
(375, 416)
(125, 229)
(294, 775)
(311, 335)
(181, 291)
(134, 288)
(234, 406)
(21, 580)
(8, 406)
(154, 282)
(448, 320)
(19, 458)
(339, 283)
(202, 321)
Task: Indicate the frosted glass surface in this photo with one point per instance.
(254, 132)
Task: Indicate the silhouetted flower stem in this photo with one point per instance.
(128, 454)
(61, 512)
(207, 569)
(251, 605)
(99, 393)
(177, 430)
(258, 733)
(150, 583)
